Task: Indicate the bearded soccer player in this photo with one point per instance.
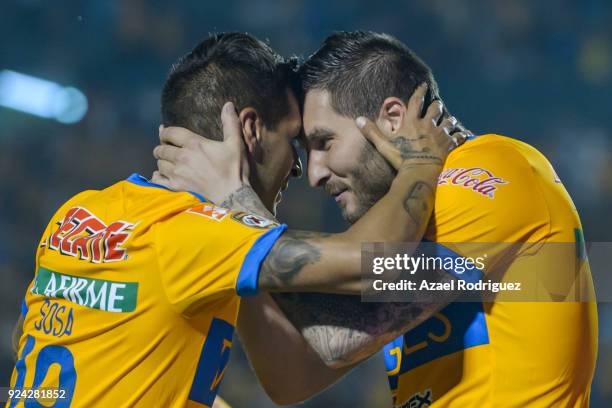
(137, 288)
(493, 189)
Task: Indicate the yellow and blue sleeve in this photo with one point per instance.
(246, 284)
(204, 258)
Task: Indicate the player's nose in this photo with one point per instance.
(318, 172)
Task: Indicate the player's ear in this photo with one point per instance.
(391, 115)
(251, 130)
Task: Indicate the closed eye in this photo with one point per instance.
(325, 143)
(320, 139)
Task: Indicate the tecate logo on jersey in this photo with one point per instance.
(81, 234)
(477, 179)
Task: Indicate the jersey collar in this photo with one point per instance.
(145, 182)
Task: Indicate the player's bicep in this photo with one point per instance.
(287, 368)
(312, 261)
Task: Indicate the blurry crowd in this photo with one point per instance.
(537, 71)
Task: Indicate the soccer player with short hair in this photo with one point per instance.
(137, 287)
(493, 189)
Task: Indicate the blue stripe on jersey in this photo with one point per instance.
(213, 361)
(457, 327)
(143, 181)
(461, 325)
(246, 284)
(24, 308)
(471, 275)
(392, 359)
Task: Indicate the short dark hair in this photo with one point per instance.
(361, 68)
(234, 67)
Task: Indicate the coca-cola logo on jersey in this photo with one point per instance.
(474, 178)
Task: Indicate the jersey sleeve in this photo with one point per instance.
(489, 199)
(208, 252)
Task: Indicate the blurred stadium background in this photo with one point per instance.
(538, 71)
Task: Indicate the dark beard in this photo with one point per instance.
(370, 181)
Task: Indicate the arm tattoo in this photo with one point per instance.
(343, 330)
(408, 151)
(291, 252)
(287, 258)
(245, 199)
(419, 202)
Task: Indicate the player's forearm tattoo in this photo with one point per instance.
(343, 330)
(408, 151)
(245, 199)
(292, 251)
(419, 202)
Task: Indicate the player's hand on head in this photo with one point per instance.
(420, 140)
(460, 133)
(187, 161)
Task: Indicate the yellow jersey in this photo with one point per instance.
(495, 189)
(135, 298)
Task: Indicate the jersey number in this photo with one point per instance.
(47, 356)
